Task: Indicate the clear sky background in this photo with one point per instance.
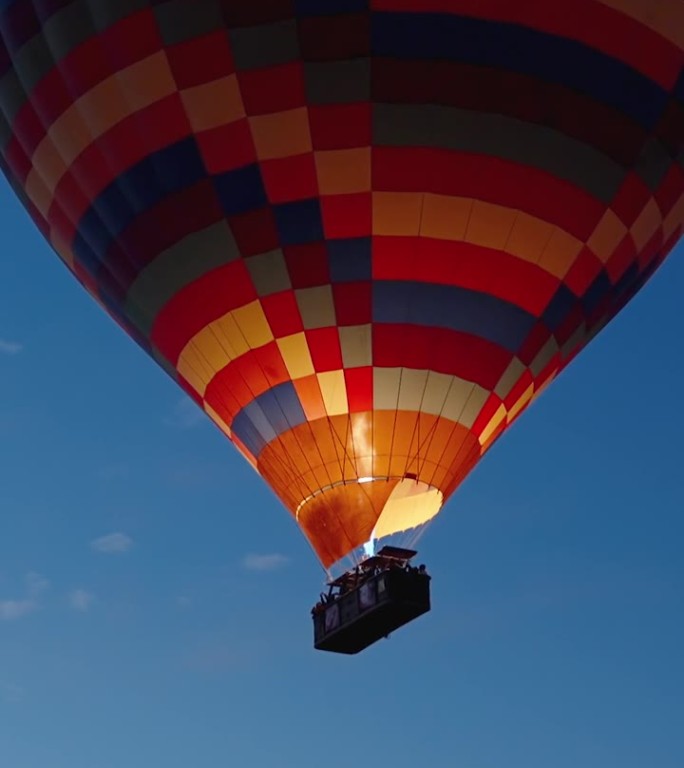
(154, 596)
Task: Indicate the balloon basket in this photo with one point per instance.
(370, 601)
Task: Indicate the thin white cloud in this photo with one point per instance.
(269, 562)
(112, 543)
(11, 610)
(184, 600)
(10, 347)
(186, 414)
(81, 599)
(36, 584)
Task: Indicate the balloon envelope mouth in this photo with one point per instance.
(344, 516)
(412, 503)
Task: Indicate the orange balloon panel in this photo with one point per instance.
(336, 475)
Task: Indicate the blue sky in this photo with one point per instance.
(154, 597)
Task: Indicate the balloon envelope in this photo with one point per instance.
(362, 234)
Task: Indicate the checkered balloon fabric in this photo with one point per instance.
(363, 235)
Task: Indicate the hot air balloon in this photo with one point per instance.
(363, 235)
